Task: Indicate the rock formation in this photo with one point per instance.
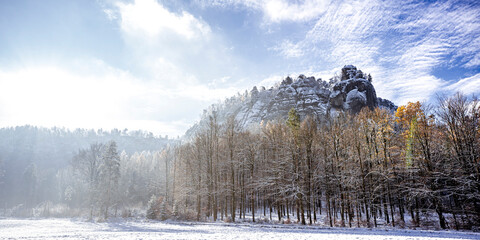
(352, 91)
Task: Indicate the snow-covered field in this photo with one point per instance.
(121, 229)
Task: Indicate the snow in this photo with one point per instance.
(356, 95)
(141, 229)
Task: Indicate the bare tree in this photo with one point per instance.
(87, 164)
(109, 175)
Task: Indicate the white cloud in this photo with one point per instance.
(288, 49)
(205, 93)
(149, 18)
(170, 80)
(103, 97)
(172, 42)
(111, 15)
(400, 45)
(174, 57)
(276, 11)
(469, 85)
(219, 81)
(282, 10)
(475, 60)
(48, 94)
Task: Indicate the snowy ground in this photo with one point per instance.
(79, 229)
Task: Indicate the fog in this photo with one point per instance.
(45, 167)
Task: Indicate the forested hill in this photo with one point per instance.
(55, 147)
(42, 153)
(349, 91)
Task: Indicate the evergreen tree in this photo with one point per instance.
(293, 121)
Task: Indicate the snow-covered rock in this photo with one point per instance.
(354, 91)
(308, 95)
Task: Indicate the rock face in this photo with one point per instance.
(352, 91)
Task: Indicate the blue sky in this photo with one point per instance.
(155, 65)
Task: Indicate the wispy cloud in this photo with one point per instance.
(277, 11)
(400, 45)
(288, 49)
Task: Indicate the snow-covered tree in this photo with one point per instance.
(86, 164)
(2, 173)
(153, 208)
(30, 177)
(109, 175)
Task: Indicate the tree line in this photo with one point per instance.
(36, 165)
(367, 169)
(107, 183)
(408, 168)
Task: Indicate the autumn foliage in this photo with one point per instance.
(369, 169)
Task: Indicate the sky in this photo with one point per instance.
(155, 65)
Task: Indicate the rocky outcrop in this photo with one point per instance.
(352, 91)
